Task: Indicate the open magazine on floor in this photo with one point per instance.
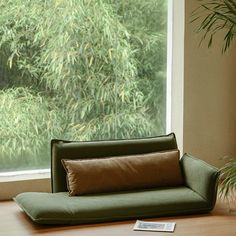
(154, 226)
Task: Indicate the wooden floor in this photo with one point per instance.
(220, 222)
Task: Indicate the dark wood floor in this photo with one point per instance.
(220, 222)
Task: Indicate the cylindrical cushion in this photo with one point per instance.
(123, 173)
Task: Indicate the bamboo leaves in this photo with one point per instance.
(90, 66)
(24, 125)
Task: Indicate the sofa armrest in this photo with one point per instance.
(201, 178)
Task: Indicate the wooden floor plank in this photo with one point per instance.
(220, 222)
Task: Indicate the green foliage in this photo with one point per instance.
(215, 16)
(227, 179)
(147, 24)
(28, 121)
(101, 63)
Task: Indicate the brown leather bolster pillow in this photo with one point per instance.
(123, 173)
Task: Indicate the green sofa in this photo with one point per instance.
(196, 195)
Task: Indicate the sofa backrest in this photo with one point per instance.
(62, 149)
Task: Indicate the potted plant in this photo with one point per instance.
(215, 16)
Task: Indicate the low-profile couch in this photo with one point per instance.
(196, 193)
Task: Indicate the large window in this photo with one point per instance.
(79, 70)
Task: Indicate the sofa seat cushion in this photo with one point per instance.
(60, 208)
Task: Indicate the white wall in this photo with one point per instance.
(209, 96)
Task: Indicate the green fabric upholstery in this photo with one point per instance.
(200, 177)
(97, 149)
(59, 208)
(197, 195)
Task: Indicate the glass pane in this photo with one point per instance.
(79, 70)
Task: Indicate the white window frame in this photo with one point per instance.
(175, 70)
(39, 180)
